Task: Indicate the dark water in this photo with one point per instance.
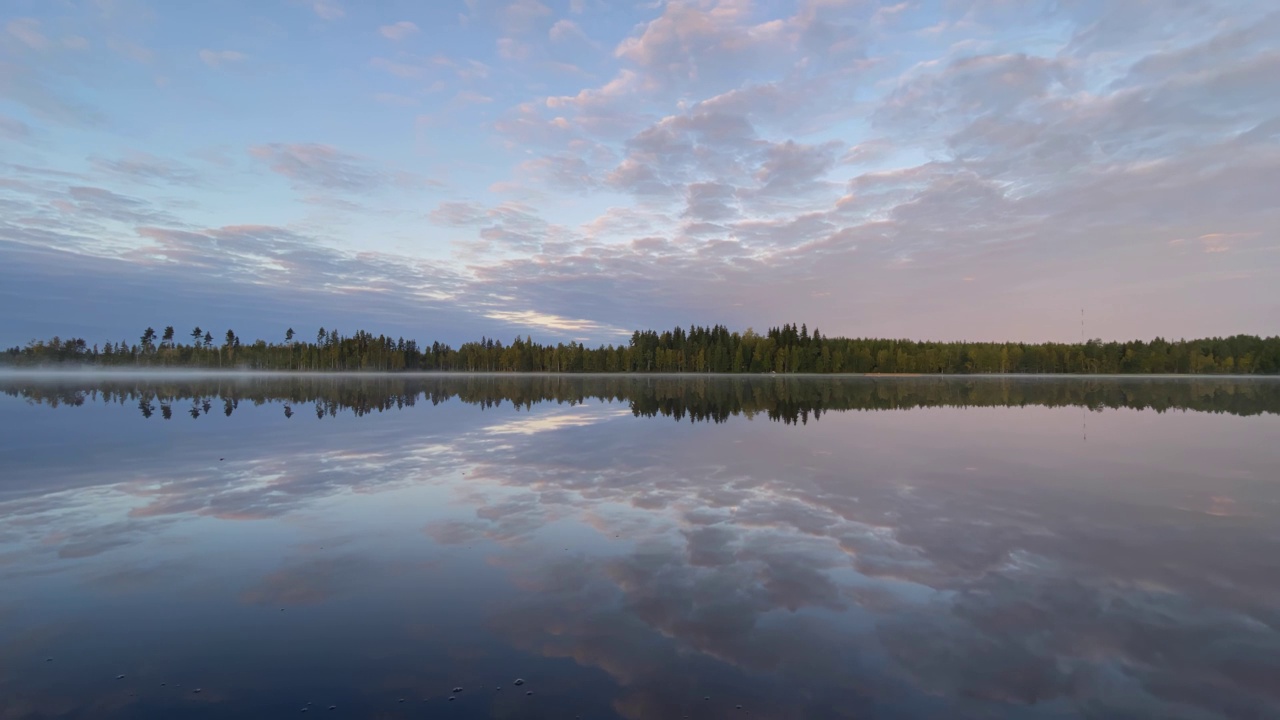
(802, 548)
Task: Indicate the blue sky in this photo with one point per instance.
(962, 169)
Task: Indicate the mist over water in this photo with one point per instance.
(802, 547)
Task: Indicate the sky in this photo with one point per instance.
(577, 169)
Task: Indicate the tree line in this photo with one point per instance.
(786, 399)
(786, 349)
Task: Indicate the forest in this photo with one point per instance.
(787, 349)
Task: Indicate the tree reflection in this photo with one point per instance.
(782, 399)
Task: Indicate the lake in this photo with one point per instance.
(639, 547)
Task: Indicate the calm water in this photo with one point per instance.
(802, 548)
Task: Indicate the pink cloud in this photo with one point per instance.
(398, 31)
(328, 9)
(1222, 242)
(218, 58)
(27, 31)
(565, 30)
(512, 49)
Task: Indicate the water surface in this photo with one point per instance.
(632, 546)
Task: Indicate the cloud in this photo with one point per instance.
(249, 267)
(463, 213)
(273, 267)
(512, 49)
(683, 148)
(970, 86)
(399, 30)
(510, 17)
(470, 69)
(503, 227)
(85, 203)
(328, 9)
(267, 251)
(861, 160)
(409, 66)
(470, 97)
(604, 110)
(623, 222)
(696, 44)
(27, 31)
(522, 15)
(218, 58)
(790, 169)
(396, 99)
(132, 50)
(566, 30)
(555, 323)
(324, 167)
(569, 171)
(1010, 120)
(146, 168)
(398, 68)
(867, 152)
(458, 213)
(1222, 242)
(525, 125)
(13, 128)
(1107, 28)
(637, 178)
(710, 201)
(35, 88)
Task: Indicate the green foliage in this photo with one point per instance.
(786, 350)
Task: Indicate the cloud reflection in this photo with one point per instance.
(971, 561)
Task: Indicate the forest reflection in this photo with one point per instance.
(786, 399)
